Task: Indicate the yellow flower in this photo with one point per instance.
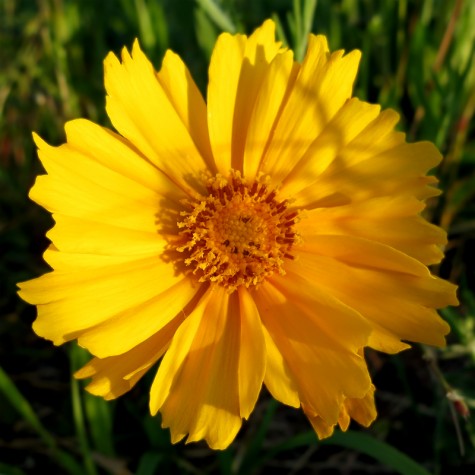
(267, 236)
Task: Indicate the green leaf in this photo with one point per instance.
(149, 462)
(360, 442)
(6, 469)
(377, 449)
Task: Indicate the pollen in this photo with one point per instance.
(239, 234)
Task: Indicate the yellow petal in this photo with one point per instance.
(70, 302)
(347, 123)
(79, 185)
(188, 102)
(108, 380)
(323, 84)
(126, 329)
(400, 170)
(224, 71)
(344, 418)
(174, 358)
(278, 378)
(324, 370)
(67, 262)
(345, 329)
(415, 284)
(252, 350)
(141, 111)
(362, 410)
(109, 149)
(90, 237)
(322, 428)
(377, 137)
(363, 253)
(383, 340)
(261, 49)
(115, 375)
(237, 69)
(272, 94)
(401, 303)
(393, 221)
(197, 388)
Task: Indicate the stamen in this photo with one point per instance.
(237, 235)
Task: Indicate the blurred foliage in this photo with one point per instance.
(418, 57)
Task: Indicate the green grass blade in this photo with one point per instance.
(206, 32)
(23, 407)
(147, 30)
(217, 15)
(280, 32)
(308, 15)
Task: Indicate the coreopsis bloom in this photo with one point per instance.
(266, 236)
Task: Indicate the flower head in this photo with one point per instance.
(266, 236)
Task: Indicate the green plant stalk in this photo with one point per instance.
(78, 415)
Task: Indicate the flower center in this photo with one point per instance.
(237, 235)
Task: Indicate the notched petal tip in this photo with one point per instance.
(447, 291)
(362, 410)
(318, 42)
(432, 157)
(110, 62)
(45, 332)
